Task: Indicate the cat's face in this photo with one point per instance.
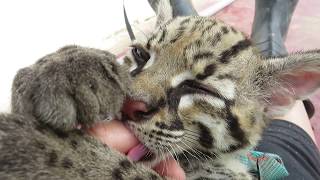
(200, 87)
(187, 79)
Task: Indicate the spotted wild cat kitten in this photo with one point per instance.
(199, 92)
(203, 94)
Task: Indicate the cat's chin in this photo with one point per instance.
(141, 153)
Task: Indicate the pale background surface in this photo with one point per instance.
(30, 29)
(33, 28)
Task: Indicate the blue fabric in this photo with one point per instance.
(265, 165)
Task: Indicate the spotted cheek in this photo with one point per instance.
(197, 134)
(145, 130)
(203, 131)
(160, 135)
(167, 127)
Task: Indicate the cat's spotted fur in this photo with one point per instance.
(207, 92)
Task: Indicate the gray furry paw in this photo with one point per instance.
(70, 87)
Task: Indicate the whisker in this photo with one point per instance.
(204, 155)
(184, 150)
(162, 157)
(191, 137)
(170, 155)
(191, 150)
(174, 154)
(140, 30)
(194, 151)
(191, 131)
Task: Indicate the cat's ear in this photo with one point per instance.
(163, 10)
(288, 78)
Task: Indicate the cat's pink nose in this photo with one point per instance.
(137, 110)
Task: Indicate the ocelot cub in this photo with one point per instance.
(196, 89)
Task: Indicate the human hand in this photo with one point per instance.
(298, 115)
(114, 134)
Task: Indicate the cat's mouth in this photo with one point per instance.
(141, 153)
(135, 112)
(118, 135)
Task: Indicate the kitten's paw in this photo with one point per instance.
(71, 87)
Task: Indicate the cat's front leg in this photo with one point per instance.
(72, 87)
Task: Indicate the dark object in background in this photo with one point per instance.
(271, 24)
(180, 7)
(270, 29)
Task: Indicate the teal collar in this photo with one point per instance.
(266, 166)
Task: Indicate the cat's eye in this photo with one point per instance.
(140, 55)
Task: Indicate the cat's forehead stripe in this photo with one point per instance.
(226, 55)
(176, 80)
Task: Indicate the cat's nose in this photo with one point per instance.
(137, 110)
